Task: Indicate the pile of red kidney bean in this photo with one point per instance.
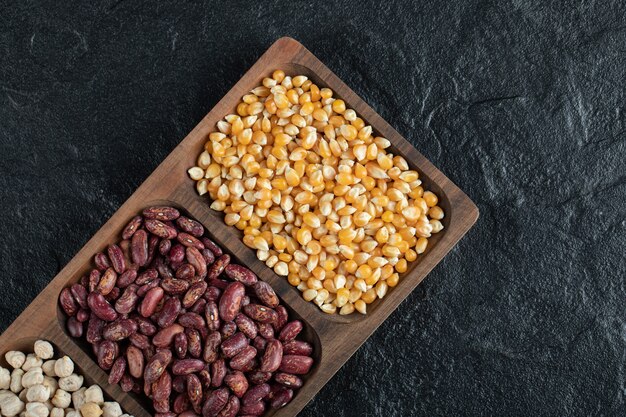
(167, 313)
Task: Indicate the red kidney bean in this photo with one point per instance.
(107, 353)
(164, 213)
(147, 276)
(94, 329)
(128, 301)
(176, 253)
(245, 301)
(191, 320)
(164, 246)
(79, 293)
(208, 256)
(169, 312)
(234, 344)
(290, 331)
(259, 343)
(153, 243)
(175, 286)
(101, 307)
(281, 398)
(128, 277)
(180, 345)
(162, 388)
(230, 303)
(198, 307)
(160, 229)
(165, 336)
(212, 246)
(258, 377)
(256, 394)
(240, 360)
(126, 383)
(151, 300)
(143, 290)
(117, 370)
(195, 258)
(94, 279)
(74, 327)
(179, 383)
(113, 295)
(102, 261)
(194, 392)
(116, 256)
(139, 340)
(246, 325)
(219, 283)
(186, 272)
(211, 313)
(218, 372)
(187, 366)
(145, 326)
(135, 361)
(205, 378)
(297, 347)
(125, 247)
(272, 357)
(212, 293)
(139, 250)
(218, 266)
(240, 273)
(133, 225)
(188, 240)
(67, 302)
(266, 331)
(265, 294)
(231, 409)
(194, 343)
(288, 380)
(282, 317)
(83, 315)
(259, 313)
(190, 226)
(163, 268)
(181, 403)
(161, 406)
(156, 365)
(119, 329)
(237, 383)
(296, 364)
(215, 402)
(228, 329)
(255, 409)
(194, 293)
(211, 346)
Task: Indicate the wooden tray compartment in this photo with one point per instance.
(335, 337)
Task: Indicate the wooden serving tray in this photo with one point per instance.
(335, 337)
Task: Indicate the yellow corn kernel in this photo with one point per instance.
(310, 219)
(401, 266)
(347, 309)
(436, 213)
(382, 235)
(369, 296)
(309, 294)
(343, 294)
(392, 281)
(421, 244)
(314, 283)
(364, 271)
(360, 306)
(430, 198)
(339, 106)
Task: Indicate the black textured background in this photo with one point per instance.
(521, 103)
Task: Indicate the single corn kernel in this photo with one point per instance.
(360, 306)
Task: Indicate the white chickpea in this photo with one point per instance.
(16, 380)
(61, 399)
(15, 359)
(44, 349)
(51, 383)
(70, 412)
(71, 383)
(10, 404)
(48, 367)
(90, 410)
(37, 409)
(111, 409)
(78, 398)
(64, 367)
(32, 362)
(5, 378)
(94, 394)
(57, 412)
(38, 393)
(33, 377)
(22, 395)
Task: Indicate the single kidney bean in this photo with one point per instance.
(258, 377)
(164, 246)
(195, 258)
(186, 272)
(208, 256)
(107, 353)
(127, 383)
(160, 229)
(237, 383)
(125, 248)
(133, 225)
(161, 406)
(143, 290)
(119, 329)
(180, 345)
(194, 343)
(188, 240)
(212, 293)
(190, 226)
(187, 366)
(246, 325)
(164, 213)
(191, 320)
(288, 380)
(234, 344)
(128, 301)
(94, 329)
(156, 365)
(135, 361)
(67, 302)
(179, 383)
(147, 276)
(219, 283)
(265, 294)
(266, 331)
(290, 331)
(230, 303)
(162, 388)
(198, 307)
(151, 300)
(272, 357)
(169, 312)
(166, 335)
(80, 295)
(174, 286)
(194, 392)
(116, 256)
(259, 343)
(139, 340)
(83, 315)
(139, 252)
(211, 346)
(94, 279)
(240, 360)
(296, 364)
(281, 398)
(145, 326)
(128, 277)
(297, 347)
(256, 394)
(240, 273)
(101, 307)
(228, 329)
(212, 246)
(74, 327)
(211, 314)
(282, 317)
(113, 295)
(218, 266)
(153, 243)
(194, 293)
(117, 370)
(214, 403)
(218, 372)
(102, 261)
(181, 403)
(163, 268)
(176, 253)
(255, 409)
(245, 301)
(231, 409)
(259, 313)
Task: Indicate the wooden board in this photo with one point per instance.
(336, 337)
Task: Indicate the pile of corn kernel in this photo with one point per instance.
(316, 193)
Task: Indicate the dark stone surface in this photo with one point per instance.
(521, 103)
